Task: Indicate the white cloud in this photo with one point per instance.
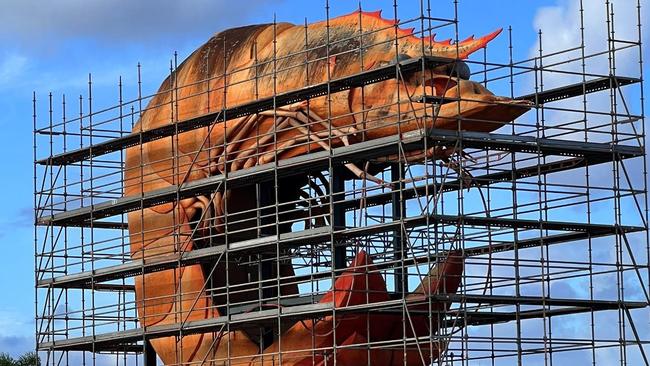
(560, 26)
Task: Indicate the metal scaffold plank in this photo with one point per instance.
(577, 89)
(531, 144)
(479, 318)
(314, 310)
(593, 153)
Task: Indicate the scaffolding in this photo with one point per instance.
(549, 214)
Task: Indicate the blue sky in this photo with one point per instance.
(53, 45)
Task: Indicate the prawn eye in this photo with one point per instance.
(461, 70)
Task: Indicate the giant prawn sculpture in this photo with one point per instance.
(261, 60)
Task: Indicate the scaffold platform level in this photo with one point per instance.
(242, 319)
(324, 234)
(577, 89)
(448, 186)
(592, 153)
(401, 69)
(376, 75)
(555, 94)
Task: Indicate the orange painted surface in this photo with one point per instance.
(228, 61)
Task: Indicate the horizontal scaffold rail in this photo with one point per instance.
(593, 153)
(311, 311)
(478, 318)
(364, 78)
(577, 89)
(324, 234)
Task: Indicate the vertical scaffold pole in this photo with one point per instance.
(149, 354)
(338, 213)
(397, 173)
